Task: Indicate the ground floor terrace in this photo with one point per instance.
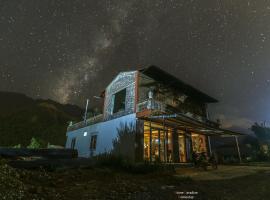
(176, 138)
(163, 143)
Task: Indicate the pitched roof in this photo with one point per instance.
(171, 81)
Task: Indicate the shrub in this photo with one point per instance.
(34, 144)
(123, 145)
(120, 163)
(18, 146)
(110, 160)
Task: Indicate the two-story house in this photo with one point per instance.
(169, 119)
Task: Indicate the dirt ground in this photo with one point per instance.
(228, 182)
(223, 173)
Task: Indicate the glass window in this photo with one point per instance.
(93, 143)
(182, 147)
(157, 142)
(120, 101)
(198, 143)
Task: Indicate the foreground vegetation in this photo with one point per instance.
(233, 182)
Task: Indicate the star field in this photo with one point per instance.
(70, 50)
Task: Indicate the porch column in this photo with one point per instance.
(165, 146)
(159, 145)
(150, 145)
(189, 146)
(209, 145)
(176, 157)
(238, 149)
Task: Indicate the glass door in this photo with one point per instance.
(155, 151)
(158, 145)
(182, 148)
(147, 144)
(162, 146)
(188, 147)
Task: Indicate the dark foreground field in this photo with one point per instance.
(228, 182)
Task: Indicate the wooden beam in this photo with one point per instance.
(143, 114)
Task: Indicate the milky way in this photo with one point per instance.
(70, 50)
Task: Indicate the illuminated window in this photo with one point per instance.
(93, 143)
(120, 101)
(85, 134)
(198, 143)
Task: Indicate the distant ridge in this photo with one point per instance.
(22, 118)
(12, 101)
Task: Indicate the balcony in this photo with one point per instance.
(151, 105)
(88, 122)
(159, 107)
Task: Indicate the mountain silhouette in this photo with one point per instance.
(22, 118)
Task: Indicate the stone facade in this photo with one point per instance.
(125, 80)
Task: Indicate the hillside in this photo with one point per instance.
(22, 118)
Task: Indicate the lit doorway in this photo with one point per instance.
(157, 143)
(182, 147)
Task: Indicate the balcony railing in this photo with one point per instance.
(88, 122)
(151, 105)
(162, 107)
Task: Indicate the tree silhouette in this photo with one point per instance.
(124, 144)
(262, 132)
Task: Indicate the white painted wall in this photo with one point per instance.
(106, 132)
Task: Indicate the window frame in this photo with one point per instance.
(123, 102)
(93, 142)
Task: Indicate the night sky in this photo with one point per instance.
(70, 50)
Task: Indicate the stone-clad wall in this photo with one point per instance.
(122, 81)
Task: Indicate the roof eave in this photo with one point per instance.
(204, 97)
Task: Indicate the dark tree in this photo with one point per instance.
(124, 144)
(261, 131)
